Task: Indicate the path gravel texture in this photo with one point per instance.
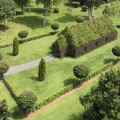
(28, 65)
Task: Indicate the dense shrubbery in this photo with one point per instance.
(55, 26)
(56, 10)
(4, 67)
(103, 101)
(80, 19)
(26, 100)
(116, 51)
(4, 113)
(81, 71)
(84, 8)
(23, 34)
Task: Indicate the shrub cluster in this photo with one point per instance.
(80, 19)
(56, 10)
(55, 26)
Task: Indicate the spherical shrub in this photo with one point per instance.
(55, 26)
(23, 34)
(116, 51)
(84, 8)
(4, 67)
(56, 10)
(1, 56)
(81, 71)
(80, 19)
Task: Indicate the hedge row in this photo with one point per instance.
(61, 92)
(29, 39)
(68, 88)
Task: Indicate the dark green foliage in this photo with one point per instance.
(22, 3)
(80, 19)
(55, 26)
(84, 8)
(4, 67)
(81, 71)
(4, 113)
(42, 70)
(15, 47)
(88, 31)
(1, 56)
(116, 51)
(56, 10)
(23, 34)
(103, 101)
(26, 100)
(7, 10)
(106, 10)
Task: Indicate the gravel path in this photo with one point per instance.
(28, 65)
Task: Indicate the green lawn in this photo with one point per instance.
(13, 108)
(67, 109)
(29, 51)
(59, 72)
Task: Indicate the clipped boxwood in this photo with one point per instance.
(80, 19)
(55, 26)
(56, 10)
(23, 34)
(84, 8)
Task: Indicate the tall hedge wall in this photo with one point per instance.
(83, 33)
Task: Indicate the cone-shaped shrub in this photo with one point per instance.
(42, 70)
(15, 47)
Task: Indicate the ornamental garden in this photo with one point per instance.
(55, 48)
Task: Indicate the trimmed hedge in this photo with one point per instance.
(83, 37)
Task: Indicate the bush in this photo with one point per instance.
(15, 47)
(4, 67)
(81, 71)
(26, 100)
(116, 51)
(23, 34)
(56, 10)
(80, 19)
(42, 70)
(118, 26)
(84, 8)
(55, 26)
(1, 56)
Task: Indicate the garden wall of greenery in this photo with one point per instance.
(81, 38)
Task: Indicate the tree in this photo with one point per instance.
(22, 3)
(42, 70)
(116, 51)
(81, 71)
(47, 4)
(103, 101)
(15, 47)
(26, 100)
(7, 10)
(4, 113)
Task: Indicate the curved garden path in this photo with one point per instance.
(28, 65)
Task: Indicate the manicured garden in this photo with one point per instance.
(59, 73)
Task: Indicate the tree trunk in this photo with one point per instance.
(46, 12)
(90, 13)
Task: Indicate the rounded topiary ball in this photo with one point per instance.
(23, 34)
(81, 71)
(55, 26)
(116, 51)
(84, 8)
(56, 10)
(80, 19)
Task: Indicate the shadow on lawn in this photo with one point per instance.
(34, 78)
(33, 22)
(109, 60)
(10, 54)
(70, 81)
(75, 117)
(67, 18)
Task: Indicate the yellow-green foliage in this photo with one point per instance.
(87, 31)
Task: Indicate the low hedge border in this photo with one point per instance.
(69, 88)
(30, 39)
(61, 92)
